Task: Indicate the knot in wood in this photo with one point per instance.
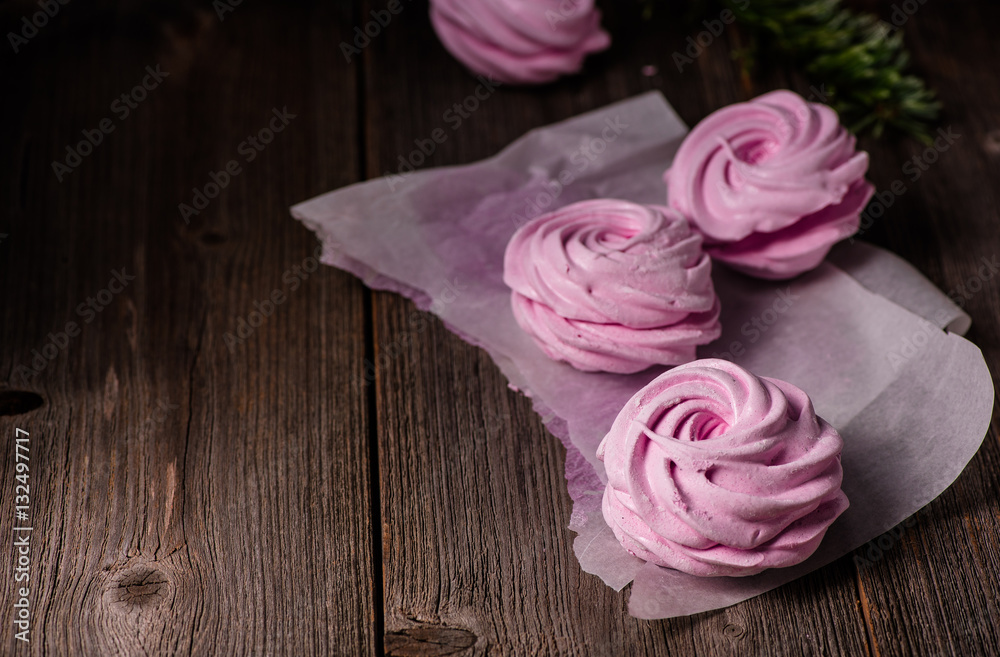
(428, 639)
(139, 587)
(16, 402)
(734, 631)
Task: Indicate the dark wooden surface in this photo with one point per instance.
(191, 496)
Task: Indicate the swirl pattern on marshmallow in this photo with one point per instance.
(716, 472)
(613, 286)
(520, 41)
(772, 184)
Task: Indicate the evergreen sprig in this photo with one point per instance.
(858, 61)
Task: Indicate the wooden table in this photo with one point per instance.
(213, 475)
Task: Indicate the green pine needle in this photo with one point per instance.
(859, 62)
(859, 59)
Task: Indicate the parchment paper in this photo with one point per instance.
(865, 334)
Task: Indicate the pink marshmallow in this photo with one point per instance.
(716, 472)
(772, 184)
(612, 286)
(520, 41)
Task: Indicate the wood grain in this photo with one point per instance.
(474, 502)
(933, 591)
(189, 498)
(193, 494)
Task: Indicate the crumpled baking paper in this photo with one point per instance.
(874, 343)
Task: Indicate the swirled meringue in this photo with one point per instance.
(612, 286)
(772, 184)
(520, 41)
(714, 471)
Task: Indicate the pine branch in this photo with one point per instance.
(861, 62)
(858, 61)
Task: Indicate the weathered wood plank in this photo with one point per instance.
(189, 497)
(474, 503)
(932, 588)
